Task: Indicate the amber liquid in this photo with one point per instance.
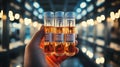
(70, 45)
(59, 41)
(48, 44)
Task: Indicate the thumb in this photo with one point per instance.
(37, 38)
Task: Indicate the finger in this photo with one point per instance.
(76, 42)
(37, 38)
(53, 58)
(76, 36)
(59, 59)
(42, 43)
(77, 50)
(51, 62)
(62, 58)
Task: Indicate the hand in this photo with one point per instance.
(35, 56)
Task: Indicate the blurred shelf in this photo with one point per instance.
(15, 49)
(111, 54)
(116, 40)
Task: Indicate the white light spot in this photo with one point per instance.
(83, 5)
(78, 10)
(90, 54)
(17, 16)
(79, 16)
(40, 10)
(84, 49)
(40, 16)
(36, 5)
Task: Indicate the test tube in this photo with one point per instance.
(70, 35)
(59, 33)
(49, 29)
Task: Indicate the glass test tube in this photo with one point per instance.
(49, 29)
(59, 34)
(70, 35)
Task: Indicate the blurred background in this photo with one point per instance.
(97, 23)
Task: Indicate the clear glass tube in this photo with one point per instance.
(49, 30)
(70, 33)
(59, 34)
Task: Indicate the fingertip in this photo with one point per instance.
(41, 28)
(77, 50)
(42, 44)
(38, 36)
(76, 42)
(76, 36)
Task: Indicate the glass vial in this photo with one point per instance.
(70, 33)
(59, 34)
(49, 29)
